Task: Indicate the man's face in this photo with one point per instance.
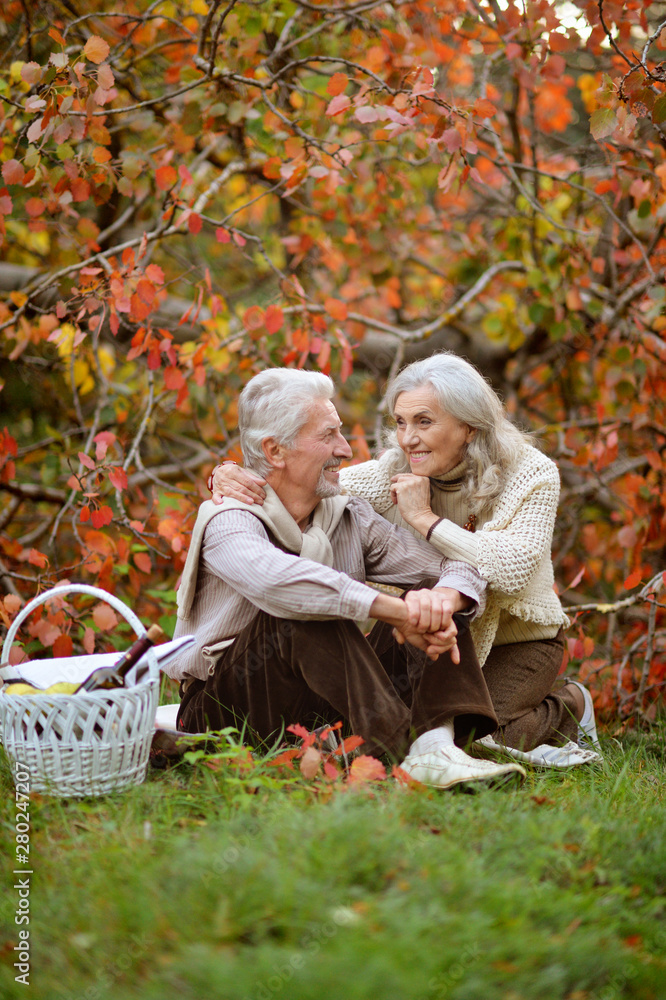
(315, 457)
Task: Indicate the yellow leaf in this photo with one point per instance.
(15, 72)
(199, 7)
(18, 298)
(107, 360)
(82, 377)
(65, 339)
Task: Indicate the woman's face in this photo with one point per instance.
(433, 441)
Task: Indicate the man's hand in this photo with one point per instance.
(233, 481)
(424, 619)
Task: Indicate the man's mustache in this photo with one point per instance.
(332, 464)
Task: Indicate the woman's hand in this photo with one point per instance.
(233, 481)
(412, 495)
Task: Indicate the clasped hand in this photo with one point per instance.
(412, 496)
(429, 623)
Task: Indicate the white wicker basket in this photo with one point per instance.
(85, 744)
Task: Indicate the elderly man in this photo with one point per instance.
(272, 594)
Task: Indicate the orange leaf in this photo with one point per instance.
(365, 768)
(335, 308)
(165, 177)
(34, 207)
(12, 603)
(37, 558)
(273, 319)
(337, 84)
(633, 580)
(104, 617)
(143, 562)
(349, 744)
(101, 154)
(96, 49)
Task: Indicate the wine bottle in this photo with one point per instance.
(114, 676)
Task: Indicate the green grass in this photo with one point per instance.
(217, 884)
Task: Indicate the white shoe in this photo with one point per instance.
(451, 766)
(587, 727)
(569, 755)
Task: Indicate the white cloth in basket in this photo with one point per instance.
(75, 669)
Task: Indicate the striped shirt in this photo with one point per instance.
(242, 571)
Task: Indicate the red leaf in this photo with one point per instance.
(63, 646)
(330, 770)
(34, 207)
(13, 172)
(118, 477)
(173, 378)
(84, 514)
(194, 224)
(37, 558)
(155, 274)
(31, 72)
(86, 460)
(338, 105)
(101, 516)
(222, 235)
(104, 617)
(307, 737)
(365, 768)
(80, 189)
(96, 49)
(89, 640)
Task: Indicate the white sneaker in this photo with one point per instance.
(587, 727)
(451, 766)
(569, 755)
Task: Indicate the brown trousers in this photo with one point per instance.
(520, 678)
(282, 671)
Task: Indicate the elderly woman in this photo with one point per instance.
(462, 476)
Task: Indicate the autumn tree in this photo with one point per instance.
(196, 189)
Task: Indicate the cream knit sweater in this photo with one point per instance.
(510, 548)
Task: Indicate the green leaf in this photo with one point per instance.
(603, 122)
(659, 111)
(65, 152)
(644, 208)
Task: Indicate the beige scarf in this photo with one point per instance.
(313, 543)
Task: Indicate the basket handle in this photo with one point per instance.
(79, 588)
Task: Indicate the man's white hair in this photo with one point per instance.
(276, 403)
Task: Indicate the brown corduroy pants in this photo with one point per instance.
(520, 678)
(282, 671)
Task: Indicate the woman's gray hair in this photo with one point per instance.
(467, 396)
(276, 404)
